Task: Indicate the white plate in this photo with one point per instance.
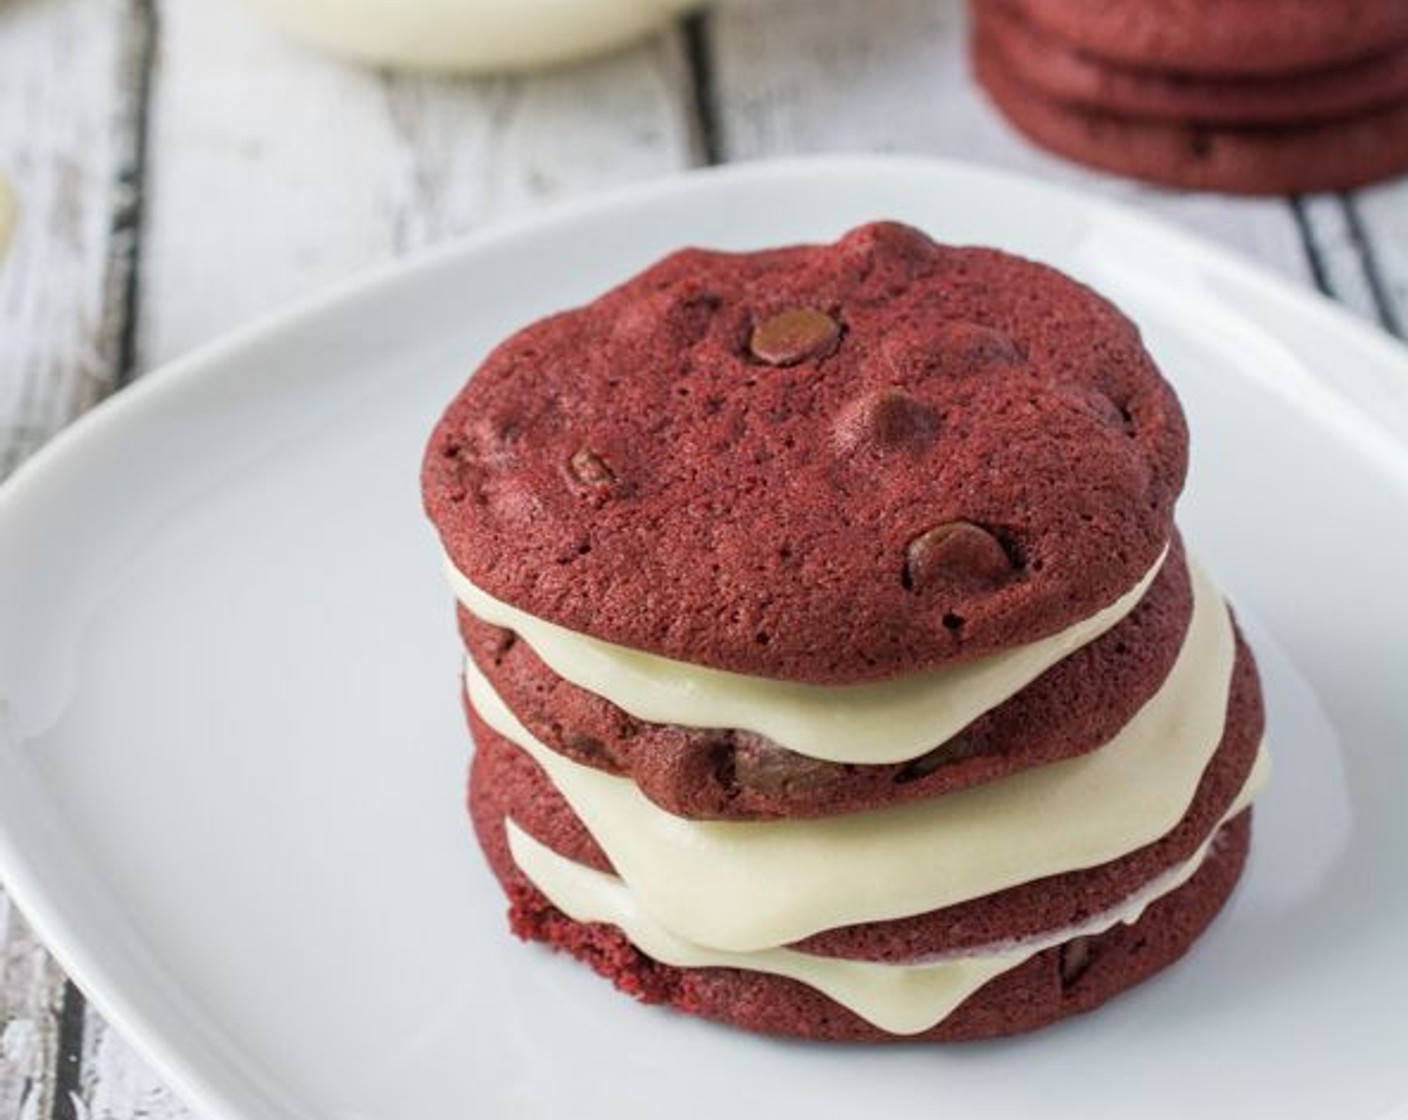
(231, 758)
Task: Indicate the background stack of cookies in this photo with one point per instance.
(1252, 96)
(834, 666)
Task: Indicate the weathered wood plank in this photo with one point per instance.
(892, 75)
(280, 169)
(118, 1085)
(66, 105)
(1336, 253)
(31, 992)
(1379, 218)
(60, 93)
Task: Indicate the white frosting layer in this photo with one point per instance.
(892, 721)
(746, 886)
(899, 998)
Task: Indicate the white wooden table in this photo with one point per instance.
(180, 170)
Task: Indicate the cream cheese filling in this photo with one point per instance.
(746, 886)
(901, 999)
(890, 721)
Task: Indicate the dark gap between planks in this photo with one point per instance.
(1318, 272)
(68, 1061)
(704, 104)
(1385, 310)
(1384, 305)
(122, 281)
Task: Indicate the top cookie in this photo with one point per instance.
(828, 464)
(1219, 37)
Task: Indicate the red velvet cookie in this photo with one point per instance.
(1330, 155)
(1058, 982)
(1074, 707)
(1072, 76)
(830, 463)
(1224, 36)
(507, 782)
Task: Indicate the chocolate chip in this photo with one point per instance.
(492, 438)
(974, 345)
(955, 750)
(485, 445)
(674, 319)
(883, 258)
(887, 418)
(1075, 961)
(891, 239)
(1094, 403)
(590, 469)
(959, 555)
(764, 767)
(795, 335)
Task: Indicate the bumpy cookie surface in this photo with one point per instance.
(826, 463)
(1224, 36)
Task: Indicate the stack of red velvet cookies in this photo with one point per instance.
(1250, 96)
(834, 664)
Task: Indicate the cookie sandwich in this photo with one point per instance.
(834, 665)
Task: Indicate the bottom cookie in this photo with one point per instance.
(1324, 156)
(1056, 983)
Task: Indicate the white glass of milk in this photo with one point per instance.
(470, 35)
